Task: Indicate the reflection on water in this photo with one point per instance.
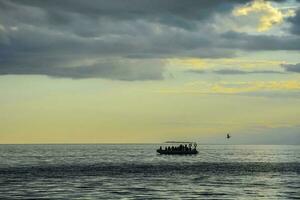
(136, 171)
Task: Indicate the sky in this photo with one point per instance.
(149, 71)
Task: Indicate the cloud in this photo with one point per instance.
(243, 72)
(197, 71)
(253, 88)
(235, 71)
(248, 42)
(291, 67)
(127, 70)
(125, 9)
(118, 39)
(295, 21)
(270, 15)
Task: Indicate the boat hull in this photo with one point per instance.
(177, 152)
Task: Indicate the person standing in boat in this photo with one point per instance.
(190, 146)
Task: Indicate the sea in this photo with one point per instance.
(136, 171)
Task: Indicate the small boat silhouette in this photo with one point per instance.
(228, 136)
(179, 150)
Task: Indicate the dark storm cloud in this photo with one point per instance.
(245, 41)
(72, 38)
(131, 9)
(295, 21)
(68, 14)
(235, 72)
(291, 67)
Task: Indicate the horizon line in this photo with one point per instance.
(142, 143)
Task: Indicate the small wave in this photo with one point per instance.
(151, 169)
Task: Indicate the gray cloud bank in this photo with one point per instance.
(295, 21)
(292, 67)
(242, 72)
(235, 72)
(295, 68)
(119, 39)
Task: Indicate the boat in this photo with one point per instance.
(179, 150)
(193, 151)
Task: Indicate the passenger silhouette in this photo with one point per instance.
(185, 147)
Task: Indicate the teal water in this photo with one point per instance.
(137, 172)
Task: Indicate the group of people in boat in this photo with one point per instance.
(180, 148)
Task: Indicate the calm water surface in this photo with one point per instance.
(137, 172)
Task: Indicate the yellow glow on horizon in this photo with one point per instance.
(189, 62)
(198, 63)
(242, 87)
(102, 111)
(233, 87)
(247, 63)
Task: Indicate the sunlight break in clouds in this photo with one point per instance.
(270, 15)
